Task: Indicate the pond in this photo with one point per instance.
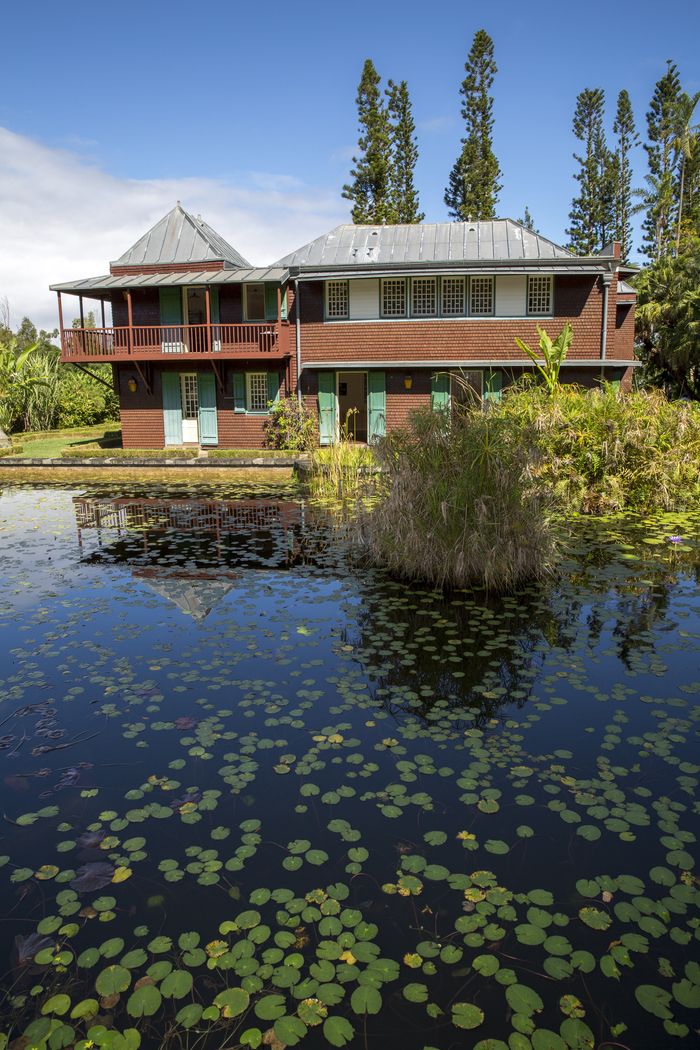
(255, 792)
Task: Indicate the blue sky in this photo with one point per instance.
(240, 106)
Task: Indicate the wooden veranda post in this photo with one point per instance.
(131, 321)
(60, 317)
(208, 302)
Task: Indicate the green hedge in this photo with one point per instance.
(13, 450)
(252, 453)
(129, 453)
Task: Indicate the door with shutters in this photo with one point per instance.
(376, 406)
(206, 409)
(327, 408)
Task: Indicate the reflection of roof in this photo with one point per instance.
(195, 594)
(496, 239)
(180, 238)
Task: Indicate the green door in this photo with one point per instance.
(172, 408)
(493, 383)
(376, 406)
(206, 390)
(327, 408)
(440, 391)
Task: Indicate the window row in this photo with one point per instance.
(436, 297)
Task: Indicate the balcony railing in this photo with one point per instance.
(152, 342)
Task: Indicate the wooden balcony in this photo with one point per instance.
(188, 342)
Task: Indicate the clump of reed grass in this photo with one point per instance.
(458, 511)
(341, 471)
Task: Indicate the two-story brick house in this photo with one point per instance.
(365, 323)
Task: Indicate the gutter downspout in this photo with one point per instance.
(297, 311)
(607, 281)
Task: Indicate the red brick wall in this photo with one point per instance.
(624, 330)
(577, 299)
(142, 413)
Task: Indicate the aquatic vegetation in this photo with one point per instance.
(337, 809)
(343, 471)
(456, 509)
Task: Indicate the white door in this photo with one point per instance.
(190, 408)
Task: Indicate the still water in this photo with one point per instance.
(255, 792)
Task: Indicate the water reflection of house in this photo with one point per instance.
(191, 551)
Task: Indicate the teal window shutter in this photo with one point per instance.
(170, 306)
(214, 305)
(206, 391)
(270, 302)
(493, 384)
(376, 406)
(172, 408)
(273, 386)
(440, 391)
(239, 392)
(284, 305)
(327, 408)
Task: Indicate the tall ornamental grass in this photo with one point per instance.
(340, 471)
(458, 510)
(601, 451)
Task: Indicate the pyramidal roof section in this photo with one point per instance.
(439, 242)
(180, 238)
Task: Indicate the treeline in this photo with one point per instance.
(382, 189)
(37, 392)
(382, 181)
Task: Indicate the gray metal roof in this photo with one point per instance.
(623, 288)
(439, 242)
(180, 238)
(109, 282)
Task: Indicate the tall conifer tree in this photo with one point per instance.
(369, 189)
(474, 184)
(403, 197)
(592, 211)
(627, 139)
(662, 191)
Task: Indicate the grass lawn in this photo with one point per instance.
(50, 444)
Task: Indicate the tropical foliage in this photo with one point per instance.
(553, 353)
(290, 425)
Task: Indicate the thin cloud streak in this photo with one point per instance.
(62, 217)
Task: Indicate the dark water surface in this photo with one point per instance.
(255, 792)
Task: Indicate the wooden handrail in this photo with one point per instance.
(191, 340)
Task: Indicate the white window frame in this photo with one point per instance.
(396, 282)
(254, 284)
(424, 282)
(539, 281)
(249, 376)
(478, 282)
(335, 292)
(189, 379)
(461, 282)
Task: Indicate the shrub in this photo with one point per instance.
(83, 401)
(290, 425)
(601, 451)
(252, 453)
(457, 512)
(129, 453)
(13, 450)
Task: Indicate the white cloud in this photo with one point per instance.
(62, 217)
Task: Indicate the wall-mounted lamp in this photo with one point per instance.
(132, 385)
(408, 381)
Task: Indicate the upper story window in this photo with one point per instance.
(394, 297)
(255, 302)
(481, 296)
(337, 299)
(453, 296)
(539, 295)
(424, 297)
